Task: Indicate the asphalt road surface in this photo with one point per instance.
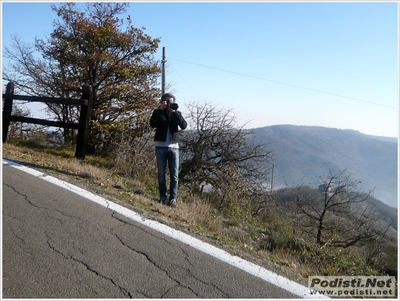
(57, 244)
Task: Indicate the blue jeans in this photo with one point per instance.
(170, 156)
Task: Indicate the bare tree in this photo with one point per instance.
(221, 156)
(341, 214)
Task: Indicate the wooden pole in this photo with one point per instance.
(7, 109)
(163, 61)
(84, 122)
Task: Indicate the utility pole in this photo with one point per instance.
(272, 180)
(163, 61)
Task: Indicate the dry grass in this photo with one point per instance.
(70, 166)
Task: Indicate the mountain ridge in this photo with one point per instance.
(301, 154)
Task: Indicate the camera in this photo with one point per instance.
(172, 105)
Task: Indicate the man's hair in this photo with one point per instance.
(167, 95)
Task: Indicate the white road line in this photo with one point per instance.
(251, 268)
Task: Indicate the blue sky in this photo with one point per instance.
(330, 64)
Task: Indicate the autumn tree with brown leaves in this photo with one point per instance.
(97, 48)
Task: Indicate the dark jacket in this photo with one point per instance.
(162, 119)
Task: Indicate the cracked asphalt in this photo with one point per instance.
(57, 244)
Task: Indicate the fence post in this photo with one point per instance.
(7, 109)
(84, 120)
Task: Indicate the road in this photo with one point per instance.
(57, 244)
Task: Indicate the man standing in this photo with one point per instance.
(166, 119)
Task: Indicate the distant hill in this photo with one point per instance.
(301, 154)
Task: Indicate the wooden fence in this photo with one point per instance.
(83, 126)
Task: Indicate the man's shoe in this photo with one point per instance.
(172, 203)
